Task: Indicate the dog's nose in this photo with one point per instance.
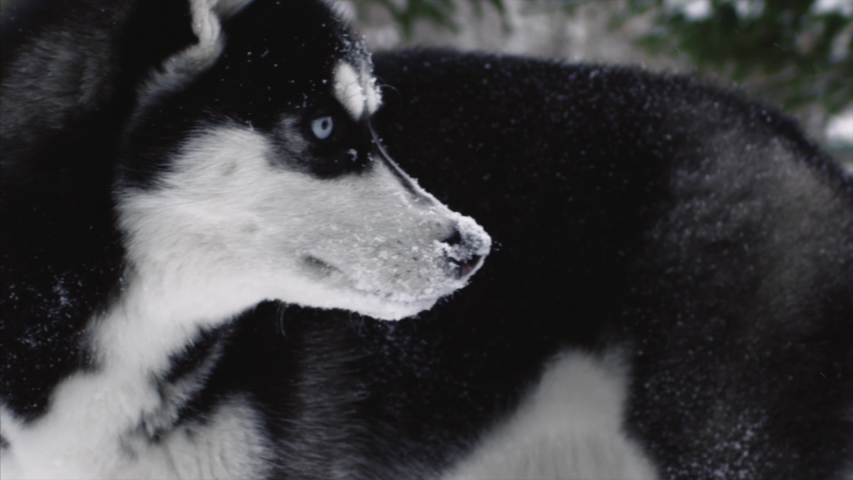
(465, 268)
(465, 252)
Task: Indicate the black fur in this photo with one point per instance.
(739, 316)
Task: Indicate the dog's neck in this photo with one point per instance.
(132, 394)
(152, 320)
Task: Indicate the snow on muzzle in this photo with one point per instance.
(390, 241)
(468, 243)
(466, 248)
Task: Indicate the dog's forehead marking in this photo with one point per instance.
(374, 96)
(356, 93)
(348, 89)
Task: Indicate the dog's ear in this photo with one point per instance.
(167, 42)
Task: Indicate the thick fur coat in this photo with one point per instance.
(204, 237)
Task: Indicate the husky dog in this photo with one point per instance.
(670, 295)
(167, 165)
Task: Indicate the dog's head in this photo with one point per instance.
(250, 171)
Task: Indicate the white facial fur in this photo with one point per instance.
(357, 93)
(233, 226)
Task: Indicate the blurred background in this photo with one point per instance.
(796, 54)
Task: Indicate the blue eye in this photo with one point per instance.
(322, 127)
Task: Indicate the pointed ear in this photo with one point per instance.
(176, 40)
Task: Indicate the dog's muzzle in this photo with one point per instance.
(466, 247)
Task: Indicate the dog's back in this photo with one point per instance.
(699, 230)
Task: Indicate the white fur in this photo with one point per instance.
(358, 94)
(91, 429)
(570, 427)
(89, 437)
(371, 91)
(348, 90)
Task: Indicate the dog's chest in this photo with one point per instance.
(569, 426)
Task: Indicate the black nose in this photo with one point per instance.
(454, 239)
(464, 260)
(464, 268)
